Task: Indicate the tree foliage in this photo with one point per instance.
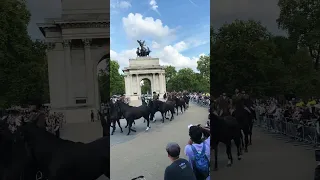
(302, 21)
(113, 84)
(186, 79)
(203, 65)
(23, 66)
(146, 87)
(245, 55)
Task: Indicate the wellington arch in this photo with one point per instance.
(77, 42)
(144, 68)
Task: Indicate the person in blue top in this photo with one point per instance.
(198, 151)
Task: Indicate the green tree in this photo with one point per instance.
(187, 79)
(203, 65)
(301, 20)
(103, 86)
(245, 55)
(170, 73)
(146, 87)
(117, 85)
(23, 68)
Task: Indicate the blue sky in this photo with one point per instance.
(176, 31)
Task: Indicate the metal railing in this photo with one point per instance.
(200, 102)
(295, 131)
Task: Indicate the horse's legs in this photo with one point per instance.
(229, 154)
(148, 123)
(246, 140)
(163, 115)
(172, 112)
(118, 121)
(238, 145)
(177, 107)
(130, 125)
(250, 133)
(241, 140)
(113, 126)
(127, 124)
(215, 148)
(181, 109)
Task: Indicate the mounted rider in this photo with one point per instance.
(237, 100)
(224, 105)
(248, 103)
(155, 96)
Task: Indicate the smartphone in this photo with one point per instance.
(317, 155)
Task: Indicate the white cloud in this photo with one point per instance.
(123, 57)
(155, 45)
(116, 4)
(154, 6)
(180, 46)
(171, 56)
(136, 26)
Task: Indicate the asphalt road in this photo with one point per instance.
(271, 157)
(143, 153)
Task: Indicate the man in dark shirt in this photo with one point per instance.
(180, 168)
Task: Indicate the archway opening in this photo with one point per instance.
(103, 80)
(145, 85)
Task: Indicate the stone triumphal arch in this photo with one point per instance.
(144, 67)
(77, 42)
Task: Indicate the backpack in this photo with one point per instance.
(201, 163)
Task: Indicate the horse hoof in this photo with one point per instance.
(228, 165)
(111, 134)
(239, 158)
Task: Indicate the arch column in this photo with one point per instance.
(153, 82)
(89, 72)
(138, 84)
(160, 83)
(68, 69)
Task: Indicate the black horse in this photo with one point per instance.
(114, 116)
(131, 113)
(251, 121)
(163, 107)
(224, 129)
(186, 99)
(180, 103)
(61, 159)
(15, 160)
(243, 117)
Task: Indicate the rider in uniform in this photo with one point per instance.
(121, 99)
(223, 105)
(155, 96)
(247, 102)
(236, 99)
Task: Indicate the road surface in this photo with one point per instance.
(143, 153)
(272, 157)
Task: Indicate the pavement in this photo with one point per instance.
(270, 157)
(143, 153)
